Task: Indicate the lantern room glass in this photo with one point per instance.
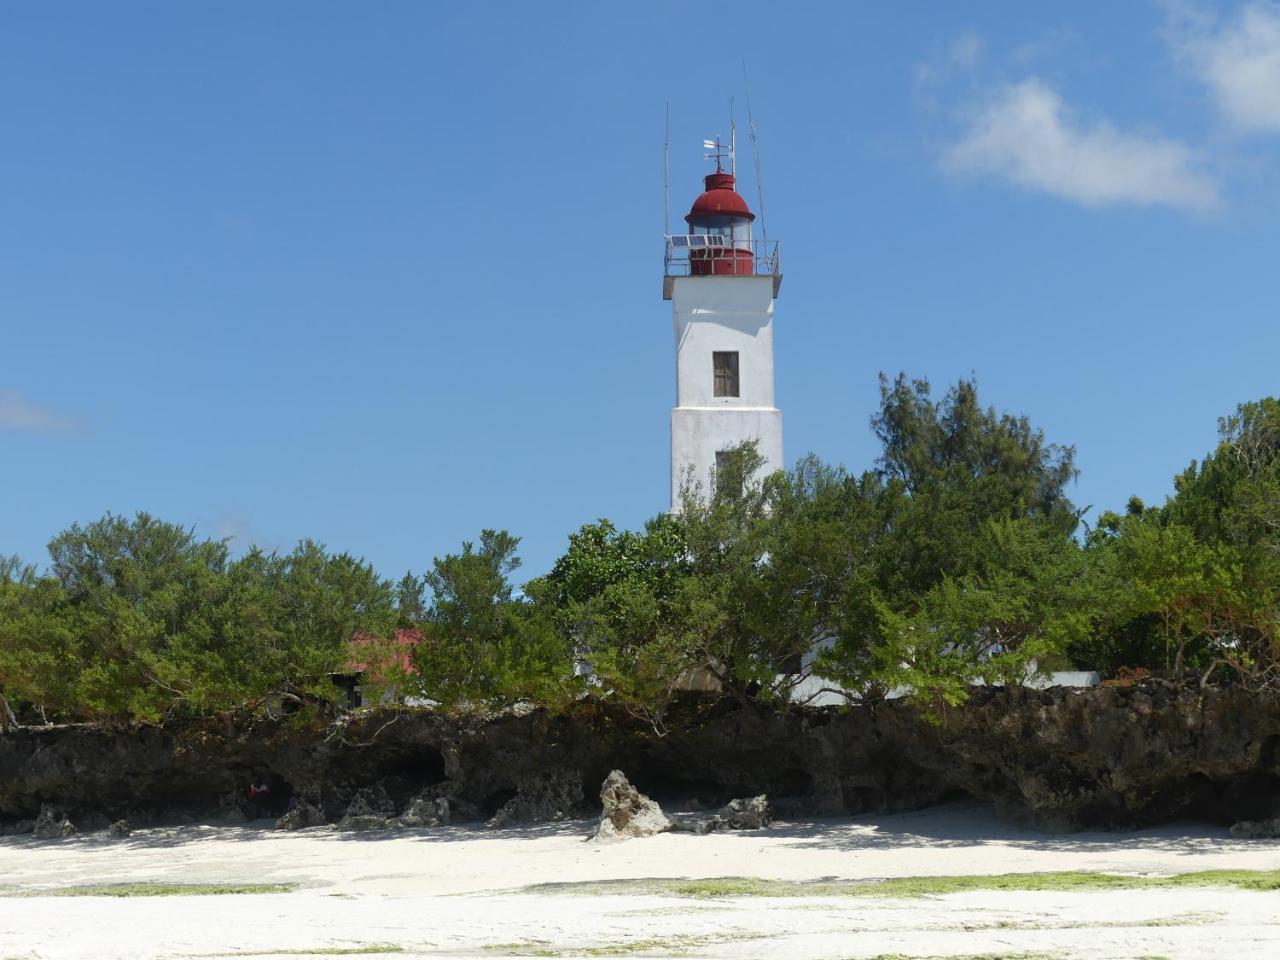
(737, 230)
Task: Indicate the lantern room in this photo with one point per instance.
(723, 217)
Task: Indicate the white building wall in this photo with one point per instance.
(711, 314)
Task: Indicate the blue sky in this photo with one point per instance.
(384, 274)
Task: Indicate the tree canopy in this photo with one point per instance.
(956, 558)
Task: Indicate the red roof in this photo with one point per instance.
(373, 655)
(719, 200)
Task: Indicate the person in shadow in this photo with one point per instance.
(259, 800)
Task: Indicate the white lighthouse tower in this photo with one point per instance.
(722, 283)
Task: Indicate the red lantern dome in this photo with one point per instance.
(720, 231)
(720, 199)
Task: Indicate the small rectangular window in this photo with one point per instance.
(725, 364)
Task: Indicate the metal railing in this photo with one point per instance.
(682, 251)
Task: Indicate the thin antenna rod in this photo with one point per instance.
(755, 150)
(733, 140)
(666, 176)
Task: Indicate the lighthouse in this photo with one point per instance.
(722, 283)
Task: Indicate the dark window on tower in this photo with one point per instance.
(725, 363)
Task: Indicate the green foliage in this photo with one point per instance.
(481, 644)
(622, 601)
(140, 620)
(954, 561)
(1195, 584)
(968, 566)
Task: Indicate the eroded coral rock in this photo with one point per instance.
(371, 801)
(364, 823)
(628, 813)
(544, 797)
(120, 829)
(425, 811)
(52, 824)
(370, 809)
(303, 816)
(748, 813)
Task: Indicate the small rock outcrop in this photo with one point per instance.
(749, 813)
(120, 829)
(1257, 829)
(52, 824)
(358, 823)
(372, 801)
(628, 813)
(543, 798)
(424, 811)
(302, 816)
(370, 809)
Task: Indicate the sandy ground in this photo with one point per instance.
(454, 892)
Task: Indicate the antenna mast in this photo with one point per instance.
(666, 176)
(755, 150)
(733, 140)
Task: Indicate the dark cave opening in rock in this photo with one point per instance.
(421, 767)
(1248, 797)
(281, 794)
(863, 799)
(496, 801)
(793, 783)
(257, 805)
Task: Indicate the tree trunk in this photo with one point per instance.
(7, 720)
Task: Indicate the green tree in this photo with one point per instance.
(139, 597)
(482, 645)
(963, 539)
(1195, 584)
(141, 620)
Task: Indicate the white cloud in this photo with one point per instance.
(1026, 134)
(1237, 59)
(19, 413)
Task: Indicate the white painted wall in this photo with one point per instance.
(722, 313)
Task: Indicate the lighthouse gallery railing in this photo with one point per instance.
(683, 250)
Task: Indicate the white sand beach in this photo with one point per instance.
(456, 892)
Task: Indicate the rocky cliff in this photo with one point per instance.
(1061, 759)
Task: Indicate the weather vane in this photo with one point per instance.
(717, 152)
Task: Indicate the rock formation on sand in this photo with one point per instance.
(543, 797)
(52, 824)
(303, 816)
(370, 809)
(748, 813)
(627, 813)
(425, 811)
